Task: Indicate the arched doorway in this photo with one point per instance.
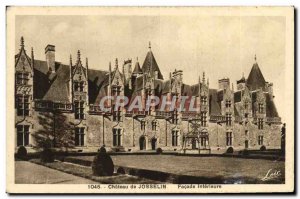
(153, 143)
(142, 143)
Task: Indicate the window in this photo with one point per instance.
(260, 140)
(228, 119)
(79, 110)
(203, 100)
(203, 141)
(22, 78)
(203, 118)
(143, 125)
(22, 102)
(154, 125)
(116, 114)
(246, 106)
(228, 103)
(246, 115)
(175, 117)
(22, 135)
(79, 136)
(79, 86)
(260, 123)
(260, 108)
(175, 138)
(228, 138)
(246, 132)
(117, 137)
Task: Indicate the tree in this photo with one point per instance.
(56, 131)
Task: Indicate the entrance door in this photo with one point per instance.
(142, 143)
(194, 143)
(246, 144)
(153, 143)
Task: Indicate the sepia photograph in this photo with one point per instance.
(150, 99)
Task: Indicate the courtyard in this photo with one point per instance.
(232, 170)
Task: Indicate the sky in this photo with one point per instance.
(222, 46)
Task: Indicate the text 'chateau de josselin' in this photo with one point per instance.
(50, 94)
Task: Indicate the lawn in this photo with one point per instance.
(225, 167)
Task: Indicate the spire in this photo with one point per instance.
(78, 56)
(32, 57)
(255, 58)
(149, 45)
(203, 78)
(109, 67)
(22, 42)
(207, 81)
(86, 63)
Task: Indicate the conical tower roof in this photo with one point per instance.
(150, 64)
(137, 68)
(255, 79)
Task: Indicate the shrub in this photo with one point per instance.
(47, 155)
(245, 152)
(102, 165)
(120, 170)
(262, 148)
(229, 150)
(22, 152)
(159, 151)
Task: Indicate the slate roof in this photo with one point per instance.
(150, 62)
(137, 68)
(255, 79)
(55, 86)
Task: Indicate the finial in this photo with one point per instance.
(32, 55)
(255, 57)
(232, 86)
(116, 63)
(70, 60)
(243, 74)
(86, 62)
(207, 81)
(22, 42)
(203, 79)
(149, 45)
(170, 75)
(78, 55)
(109, 66)
(137, 59)
(199, 79)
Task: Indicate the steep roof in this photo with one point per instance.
(137, 68)
(150, 63)
(255, 79)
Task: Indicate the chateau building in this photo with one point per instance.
(49, 94)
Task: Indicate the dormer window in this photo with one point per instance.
(203, 100)
(228, 119)
(79, 86)
(228, 103)
(79, 110)
(22, 78)
(260, 108)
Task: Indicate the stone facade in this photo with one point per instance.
(44, 90)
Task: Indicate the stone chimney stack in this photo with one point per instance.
(50, 57)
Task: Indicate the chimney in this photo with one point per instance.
(224, 83)
(50, 57)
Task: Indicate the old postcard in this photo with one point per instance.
(150, 99)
